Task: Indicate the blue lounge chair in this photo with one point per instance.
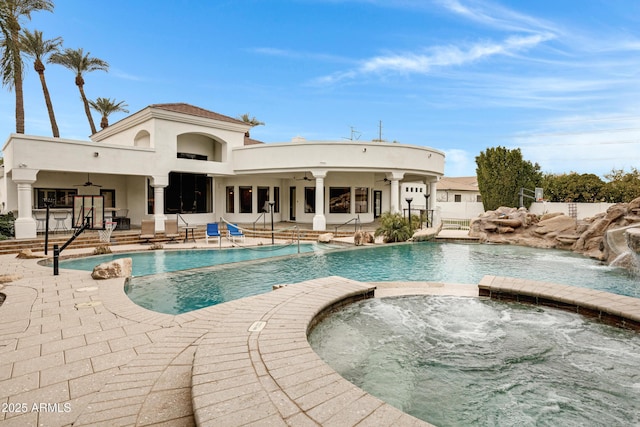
(212, 231)
(233, 231)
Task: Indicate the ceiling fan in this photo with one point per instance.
(88, 183)
(304, 178)
(385, 180)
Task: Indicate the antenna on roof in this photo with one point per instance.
(379, 132)
(353, 133)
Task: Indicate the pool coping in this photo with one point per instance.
(618, 310)
(69, 339)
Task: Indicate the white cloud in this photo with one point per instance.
(440, 56)
(459, 163)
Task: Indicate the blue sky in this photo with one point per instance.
(558, 79)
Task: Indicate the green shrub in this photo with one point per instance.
(393, 227)
(7, 229)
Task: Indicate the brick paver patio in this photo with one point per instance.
(75, 351)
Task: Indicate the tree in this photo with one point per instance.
(622, 186)
(105, 107)
(34, 46)
(79, 62)
(251, 121)
(393, 227)
(11, 12)
(501, 174)
(573, 187)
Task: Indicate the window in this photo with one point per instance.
(457, 198)
(339, 200)
(246, 199)
(362, 200)
(62, 198)
(192, 156)
(109, 198)
(263, 199)
(187, 193)
(230, 200)
(276, 198)
(309, 199)
(478, 198)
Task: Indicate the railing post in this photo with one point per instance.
(56, 256)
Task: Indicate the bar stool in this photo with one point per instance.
(41, 218)
(61, 221)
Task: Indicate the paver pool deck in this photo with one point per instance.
(75, 351)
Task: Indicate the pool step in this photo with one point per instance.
(91, 239)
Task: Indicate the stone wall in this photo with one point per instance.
(556, 229)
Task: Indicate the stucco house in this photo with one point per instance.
(169, 159)
(459, 197)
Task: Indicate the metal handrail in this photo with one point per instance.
(357, 223)
(179, 217)
(264, 221)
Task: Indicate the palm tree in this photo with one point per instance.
(33, 45)
(11, 11)
(106, 106)
(250, 120)
(79, 62)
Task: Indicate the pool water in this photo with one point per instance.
(163, 261)
(456, 361)
(182, 291)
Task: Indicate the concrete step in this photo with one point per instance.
(91, 239)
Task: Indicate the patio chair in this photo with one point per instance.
(148, 230)
(233, 231)
(171, 230)
(212, 231)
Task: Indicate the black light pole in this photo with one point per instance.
(47, 204)
(409, 200)
(426, 210)
(271, 210)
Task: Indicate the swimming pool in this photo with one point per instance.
(455, 361)
(163, 261)
(183, 291)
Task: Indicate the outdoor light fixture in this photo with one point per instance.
(271, 210)
(409, 200)
(96, 154)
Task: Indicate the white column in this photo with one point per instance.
(159, 183)
(319, 220)
(394, 203)
(433, 188)
(158, 206)
(25, 225)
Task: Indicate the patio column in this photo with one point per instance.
(159, 183)
(394, 203)
(433, 188)
(25, 225)
(319, 220)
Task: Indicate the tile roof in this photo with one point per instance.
(460, 183)
(251, 141)
(181, 107)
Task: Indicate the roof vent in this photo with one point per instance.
(298, 139)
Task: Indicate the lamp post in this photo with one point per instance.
(426, 210)
(271, 210)
(47, 204)
(409, 200)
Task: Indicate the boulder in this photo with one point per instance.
(556, 224)
(633, 239)
(426, 234)
(109, 270)
(325, 238)
(362, 237)
(550, 215)
(507, 222)
(27, 254)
